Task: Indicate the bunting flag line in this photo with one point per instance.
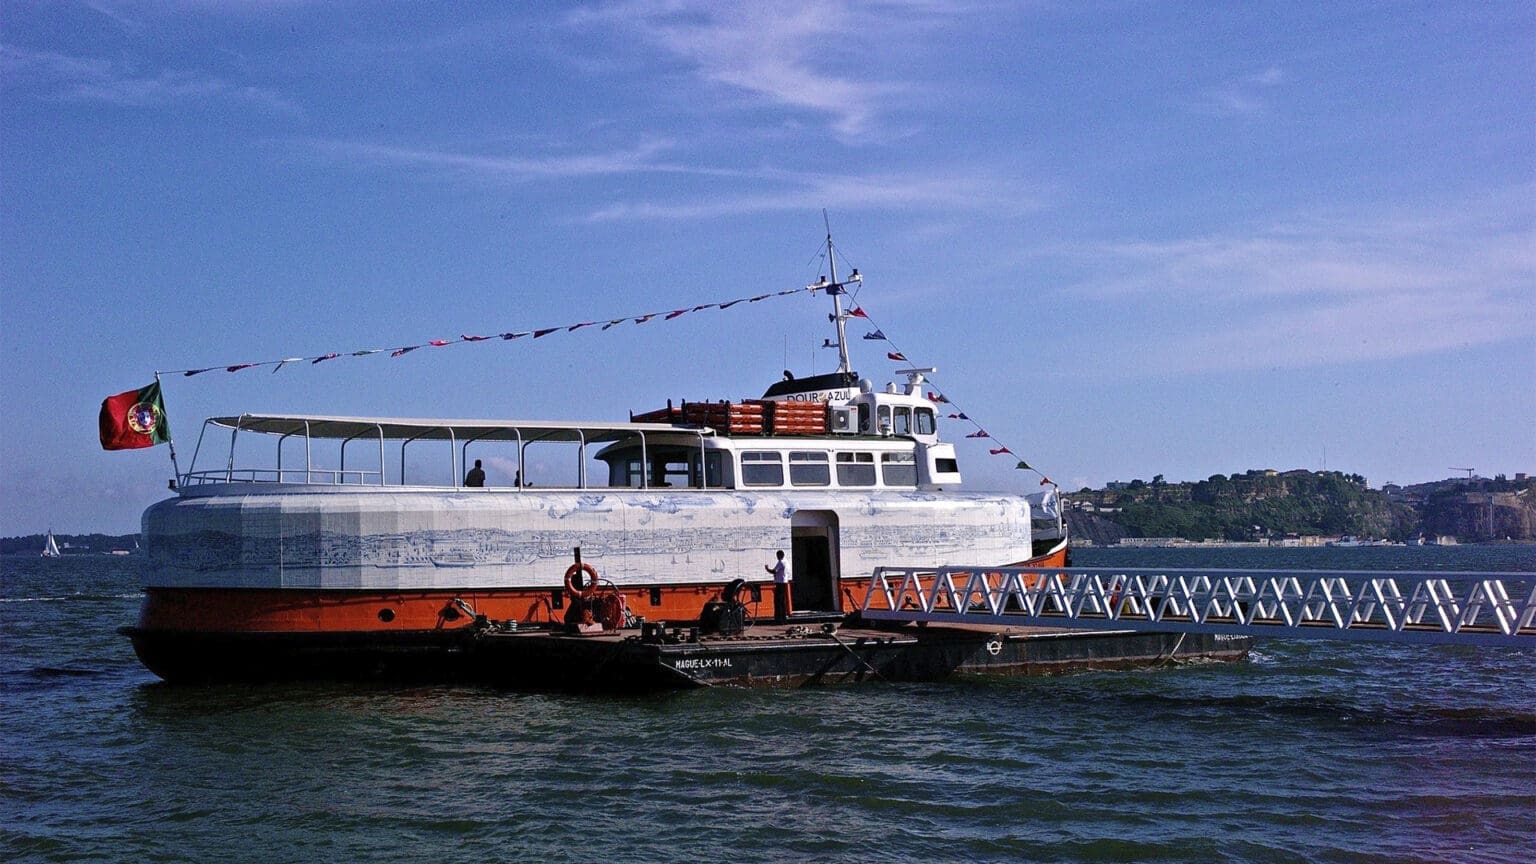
(507, 336)
(939, 397)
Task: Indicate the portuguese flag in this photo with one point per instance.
(134, 419)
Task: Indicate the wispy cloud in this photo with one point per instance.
(776, 52)
(51, 75)
(744, 191)
(1245, 96)
(643, 158)
(1326, 290)
(935, 191)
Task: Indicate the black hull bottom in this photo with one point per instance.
(764, 657)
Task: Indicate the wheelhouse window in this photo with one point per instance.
(855, 469)
(898, 469)
(927, 424)
(809, 468)
(762, 468)
(903, 424)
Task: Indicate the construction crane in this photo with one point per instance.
(1468, 470)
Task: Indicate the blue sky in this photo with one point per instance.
(1135, 238)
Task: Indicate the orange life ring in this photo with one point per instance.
(570, 579)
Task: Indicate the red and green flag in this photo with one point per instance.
(134, 419)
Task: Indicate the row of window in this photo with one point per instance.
(901, 421)
(813, 468)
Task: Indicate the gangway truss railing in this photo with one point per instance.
(1433, 607)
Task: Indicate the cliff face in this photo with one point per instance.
(1267, 504)
(1480, 515)
(1097, 529)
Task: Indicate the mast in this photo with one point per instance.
(836, 289)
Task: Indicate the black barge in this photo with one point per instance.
(660, 657)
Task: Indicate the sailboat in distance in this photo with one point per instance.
(51, 546)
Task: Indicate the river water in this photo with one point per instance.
(1309, 751)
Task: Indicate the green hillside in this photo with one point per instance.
(1264, 504)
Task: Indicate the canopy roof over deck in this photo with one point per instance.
(413, 429)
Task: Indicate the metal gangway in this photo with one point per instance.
(1422, 607)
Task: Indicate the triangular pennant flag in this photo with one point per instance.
(285, 362)
(758, 297)
(238, 366)
(575, 327)
(401, 351)
(323, 357)
(895, 355)
(959, 416)
(473, 338)
(729, 305)
(511, 336)
(936, 397)
(366, 351)
(545, 332)
(1023, 466)
(190, 372)
(979, 433)
(438, 343)
(674, 314)
(705, 306)
(644, 318)
(857, 312)
(875, 335)
(614, 321)
(999, 451)
(1046, 481)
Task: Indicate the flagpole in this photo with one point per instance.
(175, 468)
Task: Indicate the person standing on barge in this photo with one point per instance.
(781, 580)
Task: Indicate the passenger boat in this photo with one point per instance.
(326, 545)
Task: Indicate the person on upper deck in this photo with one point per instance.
(476, 475)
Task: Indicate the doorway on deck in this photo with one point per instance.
(814, 588)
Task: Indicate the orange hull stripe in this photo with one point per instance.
(237, 610)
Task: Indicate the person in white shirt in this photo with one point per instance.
(781, 580)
